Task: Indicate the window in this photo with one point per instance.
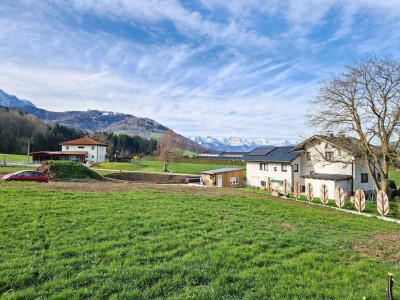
(92, 156)
(308, 155)
(81, 147)
(312, 172)
(234, 180)
(329, 155)
(263, 167)
(67, 148)
(295, 168)
(92, 148)
(263, 183)
(284, 168)
(364, 177)
(275, 169)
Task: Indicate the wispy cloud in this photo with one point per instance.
(206, 67)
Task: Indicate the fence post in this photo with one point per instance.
(389, 294)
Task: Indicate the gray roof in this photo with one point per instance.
(334, 177)
(221, 170)
(272, 154)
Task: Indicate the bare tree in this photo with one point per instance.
(169, 148)
(364, 102)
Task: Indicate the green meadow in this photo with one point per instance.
(158, 166)
(187, 244)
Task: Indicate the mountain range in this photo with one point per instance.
(237, 144)
(96, 120)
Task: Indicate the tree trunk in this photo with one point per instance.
(166, 163)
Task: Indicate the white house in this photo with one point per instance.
(318, 160)
(79, 150)
(276, 163)
(95, 151)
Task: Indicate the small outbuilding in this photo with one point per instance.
(224, 177)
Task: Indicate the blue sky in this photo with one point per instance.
(207, 67)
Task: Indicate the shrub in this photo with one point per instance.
(395, 207)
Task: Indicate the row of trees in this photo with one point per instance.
(18, 130)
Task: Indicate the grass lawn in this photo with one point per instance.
(182, 243)
(157, 166)
(395, 176)
(14, 158)
(370, 205)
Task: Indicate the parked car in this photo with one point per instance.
(26, 175)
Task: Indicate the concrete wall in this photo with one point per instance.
(331, 185)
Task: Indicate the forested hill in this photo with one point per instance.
(98, 121)
(17, 129)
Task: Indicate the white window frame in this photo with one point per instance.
(234, 180)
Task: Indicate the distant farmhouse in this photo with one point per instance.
(318, 160)
(80, 150)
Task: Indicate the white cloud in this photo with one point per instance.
(217, 76)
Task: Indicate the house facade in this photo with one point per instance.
(318, 160)
(272, 162)
(80, 150)
(95, 151)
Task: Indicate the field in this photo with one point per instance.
(124, 240)
(13, 158)
(157, 166)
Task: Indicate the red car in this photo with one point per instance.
(26, 176)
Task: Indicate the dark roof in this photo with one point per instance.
(261, 151)
(83, 141)
(272, 154)
(334, 177)
(222, 170)
(349, 144)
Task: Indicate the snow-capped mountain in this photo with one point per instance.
(237, 143)
(11, 101)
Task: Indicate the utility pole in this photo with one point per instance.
(29, 146)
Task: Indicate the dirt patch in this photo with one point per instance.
(148, 177)
(288, 226)
(382, 245)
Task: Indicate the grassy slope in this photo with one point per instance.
(152, 244)
(370, 205)
(157, 166)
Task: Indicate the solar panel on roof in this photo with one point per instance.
(261, 151)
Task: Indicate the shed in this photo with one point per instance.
(224, 177)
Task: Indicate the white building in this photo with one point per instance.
(79, 150)
(318, 160)
(95, 151)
